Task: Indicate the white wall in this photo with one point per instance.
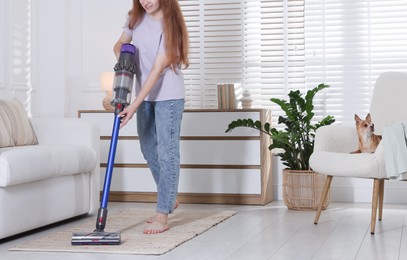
(52, 53)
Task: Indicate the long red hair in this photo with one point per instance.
(174, 28)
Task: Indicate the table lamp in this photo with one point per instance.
(106, 84)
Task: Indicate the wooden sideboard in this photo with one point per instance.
(216, 167)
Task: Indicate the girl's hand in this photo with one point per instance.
(127, 114)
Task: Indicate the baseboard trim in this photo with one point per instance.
(196, 198)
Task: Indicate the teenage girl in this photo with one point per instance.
(157, 29)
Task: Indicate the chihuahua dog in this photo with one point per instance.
(368, 141)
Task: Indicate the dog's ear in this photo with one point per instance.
(368, 118)
(357, 118)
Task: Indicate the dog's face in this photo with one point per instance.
(368, 141)
(365, 127)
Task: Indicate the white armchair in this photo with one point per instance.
(333, 144)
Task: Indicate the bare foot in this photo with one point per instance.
(151, 220)
(159, 224)
(156, 227)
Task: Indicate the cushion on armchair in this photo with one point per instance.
(14, 120)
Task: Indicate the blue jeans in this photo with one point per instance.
(158, 126)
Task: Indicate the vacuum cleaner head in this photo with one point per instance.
(96, 238)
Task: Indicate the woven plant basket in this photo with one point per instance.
(302, 189)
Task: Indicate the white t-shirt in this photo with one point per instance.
(148, 38)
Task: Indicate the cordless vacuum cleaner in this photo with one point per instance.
(122, 86)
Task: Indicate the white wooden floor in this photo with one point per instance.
(268, 232)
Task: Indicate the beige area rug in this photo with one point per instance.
(185, 225)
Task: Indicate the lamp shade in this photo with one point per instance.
(106, 81)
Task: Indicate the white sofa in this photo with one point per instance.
(54, 180)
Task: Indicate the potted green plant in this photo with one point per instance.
(294, 144)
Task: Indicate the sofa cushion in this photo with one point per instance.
(24, 164)
(21, 130)
(5, 130)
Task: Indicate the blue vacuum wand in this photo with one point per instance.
(122, 86)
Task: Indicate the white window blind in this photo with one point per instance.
(348, 44)
(274, 50)
(215, 31)
(258, 43)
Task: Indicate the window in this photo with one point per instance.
(348, 44)
(258, 43)
(273, 46)
(215, 31)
